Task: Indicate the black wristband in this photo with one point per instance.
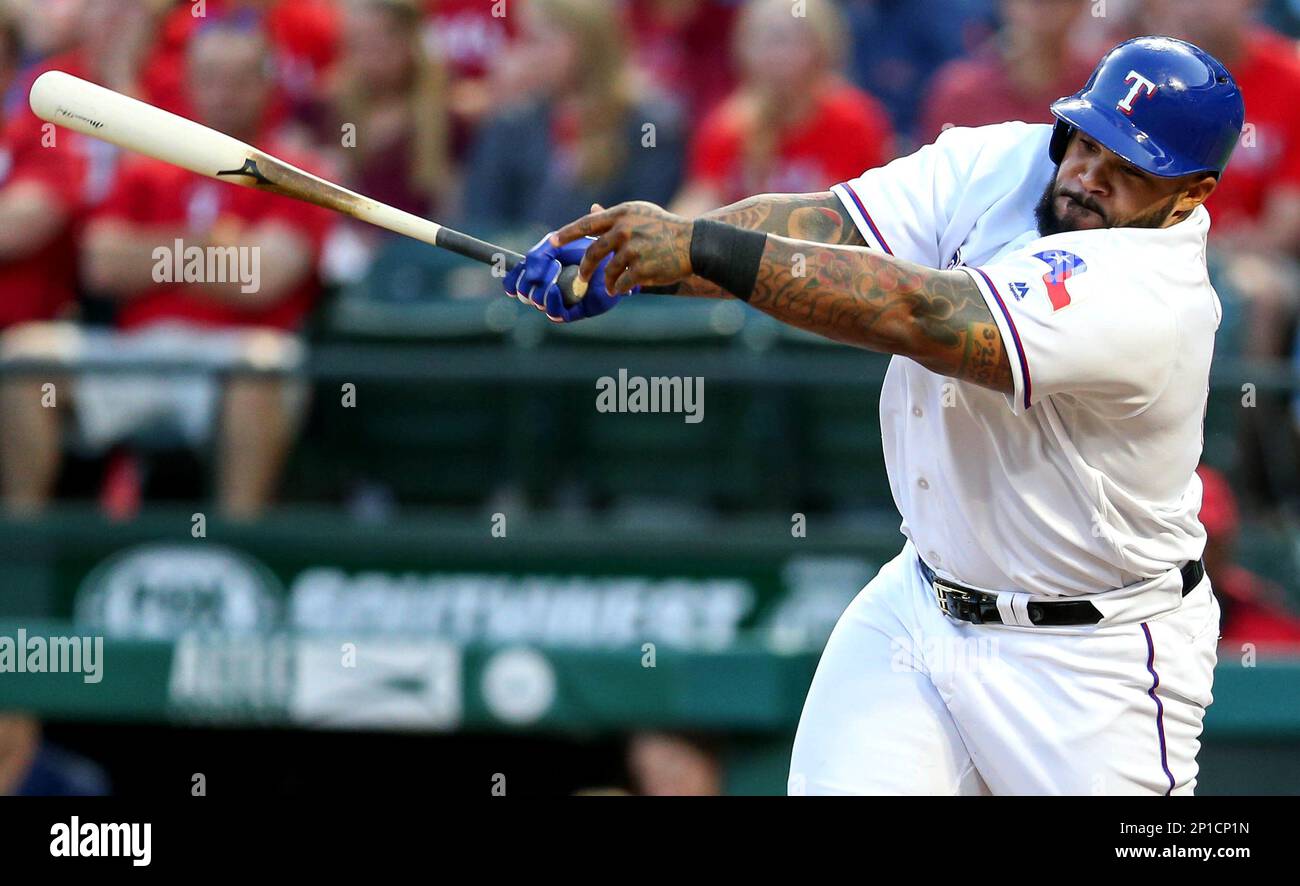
(727, 255)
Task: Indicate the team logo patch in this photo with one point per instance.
(1064, 265)
(1141, 86)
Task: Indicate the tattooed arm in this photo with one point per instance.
(817, 218)
(865, 298)
(847, 293)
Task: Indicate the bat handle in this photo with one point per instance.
(490, 254)
(569, 286)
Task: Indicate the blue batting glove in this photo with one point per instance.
(533, 281)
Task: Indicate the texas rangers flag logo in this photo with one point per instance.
(1064, 265)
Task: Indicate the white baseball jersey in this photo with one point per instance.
(1082, 481)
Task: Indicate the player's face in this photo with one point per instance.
(1095, 189)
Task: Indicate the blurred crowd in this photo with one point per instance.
(507, 118)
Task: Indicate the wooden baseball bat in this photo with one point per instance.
(134, 125)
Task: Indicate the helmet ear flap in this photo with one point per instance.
(1060, 141)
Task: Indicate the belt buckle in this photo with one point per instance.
(944, 591)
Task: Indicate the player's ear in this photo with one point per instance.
(1201, 188)
(1196, 190)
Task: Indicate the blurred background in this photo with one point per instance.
(365, 529)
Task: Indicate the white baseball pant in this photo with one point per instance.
(907, 700)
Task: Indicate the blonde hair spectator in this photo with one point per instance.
(603, 92)
(392, 91)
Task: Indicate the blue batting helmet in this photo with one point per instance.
(1164, 105)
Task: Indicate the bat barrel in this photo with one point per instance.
(93, 110)
(96, 111)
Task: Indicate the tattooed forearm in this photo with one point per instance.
(817, 218)
(850, 294)
(820, 218)
(862, 298)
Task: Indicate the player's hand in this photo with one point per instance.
(638, 244)
(533, 282)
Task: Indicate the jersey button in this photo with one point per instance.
(916, 410)
(923, 483)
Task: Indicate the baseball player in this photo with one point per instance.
(1048, 626)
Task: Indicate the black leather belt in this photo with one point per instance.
(981, 607)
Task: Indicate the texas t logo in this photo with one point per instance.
(1140, 84)
(1064, 265)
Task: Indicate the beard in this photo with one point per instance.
(1052, 222)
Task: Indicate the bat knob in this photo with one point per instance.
(572, 288)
